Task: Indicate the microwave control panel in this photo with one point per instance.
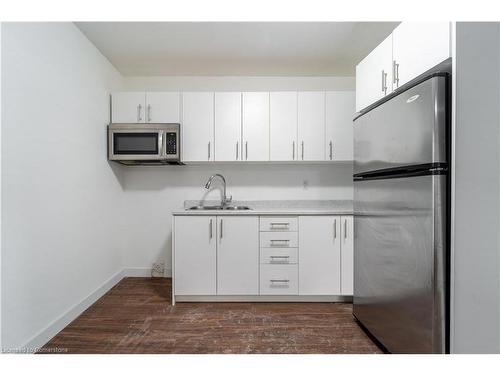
(171, 143)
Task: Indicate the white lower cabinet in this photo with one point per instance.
(195, 256)
(347, 255)
(326, 255)
(319, 255)
(279, 279)
(238, 255)
(216, 255)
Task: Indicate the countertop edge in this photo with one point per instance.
(260, 213)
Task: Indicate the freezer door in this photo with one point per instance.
(400, 256)
(409, 129)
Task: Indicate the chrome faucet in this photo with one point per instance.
(224, 200)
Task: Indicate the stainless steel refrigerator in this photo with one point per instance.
(401, 207)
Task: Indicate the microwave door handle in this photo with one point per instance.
(160, 144)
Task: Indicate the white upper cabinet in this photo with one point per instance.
(283, 126)
(311, 125)
(162, 107)
(145, 107)
(197, 126)
(248, 126)
(227, 126)
(374, 75)
(418, 47)
(340, 110)
(128, 107)
(255, 140)
(412, 49)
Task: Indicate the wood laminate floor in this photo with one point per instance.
(136, 316)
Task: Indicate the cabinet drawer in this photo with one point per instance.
(279, 240)
(277, 279)
(278, 224)
(278, 256)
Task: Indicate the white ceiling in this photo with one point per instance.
(236, 48)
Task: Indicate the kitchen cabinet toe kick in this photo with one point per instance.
(265, 298)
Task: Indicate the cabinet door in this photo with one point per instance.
(227, 126)
(319, 255)
(374, 75)
(339, 115)
(238, 255)
(311, 125)
(198, 126)
(346, 255)
(283, 126)
(418, 47)
(195, 244)
(128, 107)
(163, 107)
(255, 146)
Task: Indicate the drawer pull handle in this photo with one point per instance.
(273, 225)
(280, 258)
(282, 243)
(279, 281)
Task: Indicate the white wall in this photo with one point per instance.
(153, 193)
(61, 198)
(476, 228)
(228, 83)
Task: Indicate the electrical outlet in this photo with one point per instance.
(158, 269)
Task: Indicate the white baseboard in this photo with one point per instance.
(137, 272)
(52, 329)
(143, 272)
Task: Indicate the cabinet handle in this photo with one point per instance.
(209, 150)
(331, 150)
(246, 150)
(293, 150)
(149, 113)
(395, 73)
(302, 150)
(345, 228)
(221, 228)
(139, 109)
(210, 229)
(384, 82)
(279, 281)
(282, 243)
(237, 149)
(335, 228)
(280, 258)
(279, 224)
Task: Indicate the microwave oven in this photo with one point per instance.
(144, 144)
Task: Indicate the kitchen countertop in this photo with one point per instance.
(273, 207)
